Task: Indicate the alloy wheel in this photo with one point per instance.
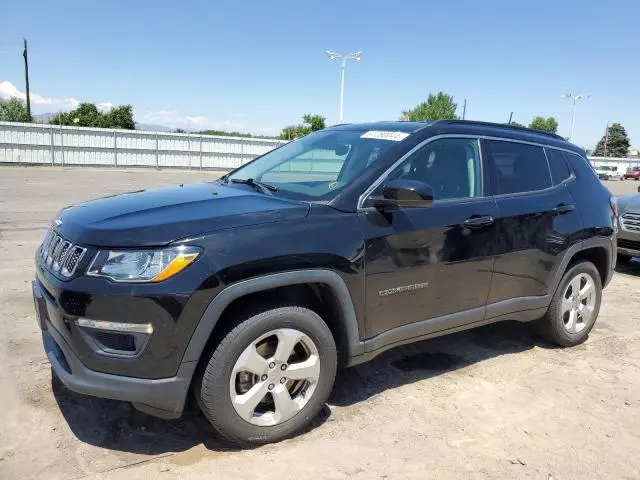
(274, 377)
(578, 303)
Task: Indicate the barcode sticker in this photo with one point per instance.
(383, 135)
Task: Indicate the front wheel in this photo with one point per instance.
(575, 306)
(269, 377)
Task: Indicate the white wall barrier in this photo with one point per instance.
(41, 144)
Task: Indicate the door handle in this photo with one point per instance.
(478, 222)
(563, 208)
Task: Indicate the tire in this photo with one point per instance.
(556, 326)
(215, 387)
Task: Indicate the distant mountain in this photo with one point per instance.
(154, 128)
(43, 117)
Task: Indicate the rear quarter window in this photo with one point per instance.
(580, 165)
(558, 165)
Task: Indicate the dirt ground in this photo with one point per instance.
(495, 402)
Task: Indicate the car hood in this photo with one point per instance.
(163, 215)
(628, 203)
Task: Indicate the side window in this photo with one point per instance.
(451, 166)
(518, 167)
(559, 168)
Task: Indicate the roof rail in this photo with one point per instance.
(500, 125)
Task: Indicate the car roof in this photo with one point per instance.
(467, 127)
(396, 126)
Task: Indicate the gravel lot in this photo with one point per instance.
(495, 402)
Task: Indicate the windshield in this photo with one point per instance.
(319, 165)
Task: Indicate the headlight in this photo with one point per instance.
(142, 265)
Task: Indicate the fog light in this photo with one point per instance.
(115, 326)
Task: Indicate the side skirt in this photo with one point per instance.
(523, 309)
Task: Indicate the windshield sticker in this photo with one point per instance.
(382, 135)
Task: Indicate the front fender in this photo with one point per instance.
(221, 301)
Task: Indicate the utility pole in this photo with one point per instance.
(606, 140)
(26, 77)
(510, 117)
(464, 109)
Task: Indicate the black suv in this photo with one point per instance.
(249, 291)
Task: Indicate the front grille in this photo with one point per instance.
(631, 221)
(630, 244)
(60, 255)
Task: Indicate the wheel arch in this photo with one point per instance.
(599, 251)
(315, 287)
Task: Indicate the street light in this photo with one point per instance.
(575, 98)
(343, 57)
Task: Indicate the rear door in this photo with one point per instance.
(536, 222)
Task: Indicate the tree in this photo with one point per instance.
(223, 133)
(314, 122)
(545, 124)
(437, 107)
(88, 115)
(13, 110)
(310, 123)
(617, 142)
(515, 124)
(120, 117)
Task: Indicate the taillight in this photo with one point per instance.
(614, 206)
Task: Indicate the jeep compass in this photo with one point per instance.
(249, 291)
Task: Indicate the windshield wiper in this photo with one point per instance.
(263, 187)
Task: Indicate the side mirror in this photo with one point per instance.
(404, 193)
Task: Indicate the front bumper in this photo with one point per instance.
(628, 243)
(163, 397)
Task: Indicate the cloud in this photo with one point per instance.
(8, 90)
(104, 106)
(173, 118)
(170, 118)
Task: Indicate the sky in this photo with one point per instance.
(258, 66)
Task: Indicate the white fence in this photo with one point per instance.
(38, 144)
(29, 143)
(622, 164)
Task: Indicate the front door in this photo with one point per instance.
(429, 269)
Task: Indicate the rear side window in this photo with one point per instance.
(559, 168)
(518, 167)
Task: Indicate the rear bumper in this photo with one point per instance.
(164, 397)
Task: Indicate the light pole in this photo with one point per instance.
(574, 98)
(343, 57)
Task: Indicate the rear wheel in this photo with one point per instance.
(269, 377)
(574, 307)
